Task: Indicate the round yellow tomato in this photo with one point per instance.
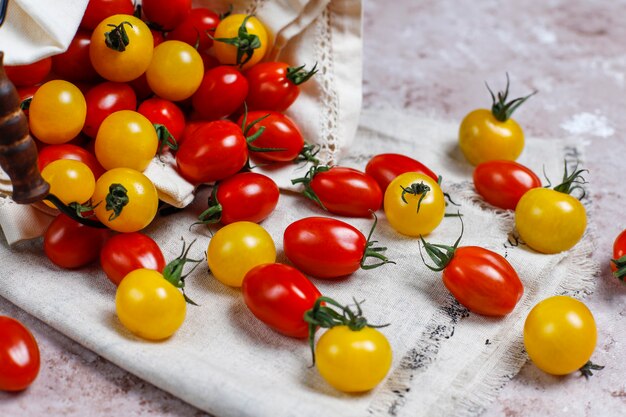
(550, 221)
(148, 305)
(126, 200)
(483, 138)
(176, 70)
(57, 112)
(126, 139)
(560, 335)
(71, 181)
(121, 63)
(414, 204)
(237, 248)
(250, 49)
(353, 360)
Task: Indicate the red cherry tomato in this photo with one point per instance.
(503, 183)
(223, 90)
(279, 295)
(141, 87)
(19, 355)
(166, 14)
(196, 28)
(157, 37)
(274, 86)
(74, 64)
(246, 196)
(325, 248)
(164, 112)
(384, 168)
(343, 191)
(619, 251)
(126, 252)
(481, 280)
(280, 133)
(215, 151)
(29, 75)
(70, 244)
(190, 129)
(68, 151)
(104, 100)
(98, 10)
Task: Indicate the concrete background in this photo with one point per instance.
(433, 57)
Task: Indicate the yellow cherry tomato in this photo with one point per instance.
(353, 360)
(176, 70)
(121, 62)
(484, 138)
(237, 248)
(250, 50)
(560, 335)
(126, 200)
(148, 305)
(57, 112)
(402, 198)
(550, 221)
(126, 139)
(71, 181)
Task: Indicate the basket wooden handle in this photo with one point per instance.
(18, 153)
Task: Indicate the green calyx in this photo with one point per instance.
(333, 314)
(620, 264)
(372, 251)
(117, 38)
(299, 75)
(173, 271)
(25, 105)
(165, 139)
(116, 200)
(441, 255)
(306, 181)
(571, 181)
(415, 189)
(586, 369)
(501, 109)
(245, 43)
(308, 154)
(213, 214)
(246, 127)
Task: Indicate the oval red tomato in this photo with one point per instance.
(74, 64)
(222, 91)
(280, 132)
(196, 28)
(386, 167)
(69, 151)
(19, 355)
(166, 14)
(343, 191)
(163, 112)
(279, 295)
(247, 196)
(70, 244)
(503, 183)
(98, 10)
(104, 100)
(274, 85)
(126, 252)
(30, 74)
(327, 248)
(215, 151)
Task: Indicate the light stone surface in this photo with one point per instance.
(433, 57)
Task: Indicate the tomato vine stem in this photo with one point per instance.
(441, 255)
(117, 38)
(306, 181)
(586, 369)
(374, 252)
(245, 43)
(173, 271)
(500, 108)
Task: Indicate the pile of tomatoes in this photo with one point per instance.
(193, 83)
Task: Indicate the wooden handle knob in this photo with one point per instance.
(18, 153)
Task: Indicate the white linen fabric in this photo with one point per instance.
(447, 361)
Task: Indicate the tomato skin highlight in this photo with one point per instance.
(280, 133)
(19, 355)
(503, 183)
(29, 74)
(70, 181)
(247, 196)
(483, 281)
(560, 335)
(347, 192)
(270, 89)
(279, 295)
(384, 168)
(70, 244)
(175, 71)
(549, 221)
(125, 252)
(324, 247)
(222, 92)
(105, 99)
(353, 361)
(213, 152)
